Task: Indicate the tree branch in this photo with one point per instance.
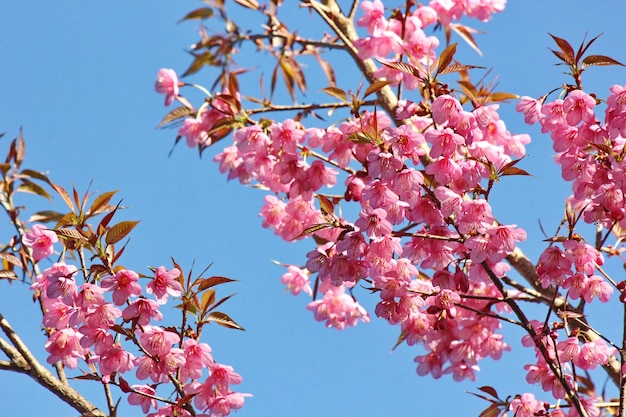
(44, 377)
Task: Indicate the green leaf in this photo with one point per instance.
(223, 320)
(119, 231)
(201, 13)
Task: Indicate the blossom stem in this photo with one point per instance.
(573, 396)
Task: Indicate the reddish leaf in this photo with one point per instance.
(45, 216)
(326, 205)
(376, 86)
(223, 320)
(313, 229)
(34, 174)
(402, 66)
(100, 201)
(327, 69)
(568, 52)
(445, 58)
(336, 92)
(599, 60)
(64, 195)
(119, 231)
(458, 68)
(6, 274)
(177, 113)
(70, 232)
(205, 283)
(466, 33)
(201, 13)
(32, 188)
(208, 298)
(10, 258)
(489, 390)
(250, 4)
(492, 411)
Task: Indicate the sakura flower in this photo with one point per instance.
(135, 398)
(116, 359)
(123, 284)
(297, 280)
(165, 283)
(167, 83)
(64, 345)
(40, 240)
(143, 310)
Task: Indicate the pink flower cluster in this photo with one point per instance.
(589, 151)
(404, 34)
(452, 229)
(84, 326)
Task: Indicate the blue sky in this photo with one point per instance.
(78, 77)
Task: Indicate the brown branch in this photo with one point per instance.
(344, 28)
(540, 346)
(45, 378)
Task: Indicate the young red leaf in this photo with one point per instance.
(599, 60)
(64, 195)
(445, 58)
(177, 113)
(34, 174)
(119, 231)
(568, 52)
(32, 188)
(201, 13)
(100, 201)
(376, 86)
(466, 33)
(204, 283)
(250, 4)
(402, 66)
(208, 298)
(223, 320)
(336, 92)
(12, 259)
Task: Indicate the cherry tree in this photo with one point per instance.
(419, 154)
(388, 176)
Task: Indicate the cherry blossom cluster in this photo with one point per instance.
(403, 34)
(412, 221)
(589, 151)
(83, 326)
(410, 217)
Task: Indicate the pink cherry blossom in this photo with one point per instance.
(142, 310)
(167, 83)
(116, 359)
(40, 240)
(64, 345)
(135, 398)
(297, 280)
(123, 284)
(164, 284)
